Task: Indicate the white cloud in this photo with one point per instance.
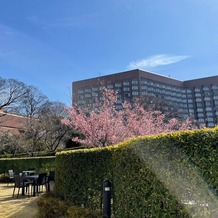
(157, 60)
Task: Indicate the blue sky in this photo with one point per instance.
(51, 43)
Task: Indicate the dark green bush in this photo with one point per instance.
(4, 178)
(168, 175)
(41, 164)
(79, 212)
(51, 207)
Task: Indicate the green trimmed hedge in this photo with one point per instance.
(168, 175)
(41, 164)
(80, 175)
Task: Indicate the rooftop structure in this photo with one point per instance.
(11, 123)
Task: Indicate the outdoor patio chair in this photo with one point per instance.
(19, 182)
(11, 176)
(41, 181)
(51, 176)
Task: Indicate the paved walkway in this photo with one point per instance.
(23, 207)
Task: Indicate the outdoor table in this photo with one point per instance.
(29, 172)
(32, 178)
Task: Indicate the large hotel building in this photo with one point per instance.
(196, 98)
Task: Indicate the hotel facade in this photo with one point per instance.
(196, 98)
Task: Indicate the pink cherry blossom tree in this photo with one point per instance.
(105, 125)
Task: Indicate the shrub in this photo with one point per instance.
(41, 164)
(4, 178)
(51, 207)
(80, 212)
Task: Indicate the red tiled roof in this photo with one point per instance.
(11, 122)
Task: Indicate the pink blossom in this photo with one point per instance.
(106, 125)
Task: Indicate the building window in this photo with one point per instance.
(126, 95)
(199, 109)
(134, 82)
(95, 94)
(151, 83)
(80, 91)
(191, 110)
(118, 89)
(126, 83)
(207, 98)
(143, 82)
(80, 106)
(135, 87)
(87, 95)
(210, 119)
(117, 84)
(206, 93)
(151, 94)
(135, 93)
(126, 89)
(205, 88)
(200, 115)
(215, 87)
(201, 120)
(189, 91)
(208, 109)
(197, 90)
(119, 101)
(197, 94)
(110, 86)
(198, 100)
(144, 93)
(208, 103)
(119, 95)
(119, 107)
(189, 95)
(199, 104)
(190, 105)
(95, 89)
(80, 101)
(143, 87)
(87, 90)
(210, 124)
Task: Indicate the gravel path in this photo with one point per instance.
(23, 207)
